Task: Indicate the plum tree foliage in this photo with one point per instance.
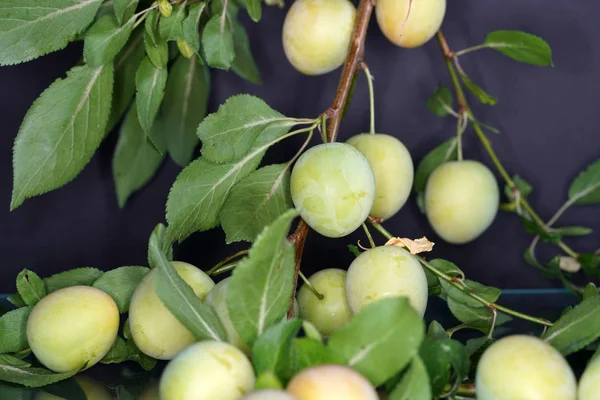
(349, 331)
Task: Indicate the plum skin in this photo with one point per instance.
(386, 271)
(524, 367)
(207, 370)
(461, 200)
(327, 382)
(393, 168)
(71, 327)
(424, 20)
(332, 312)
(316, 34)
(269, 394)
(589, 384)
(155, 331)
(333, 187)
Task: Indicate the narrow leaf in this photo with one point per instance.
(440, 103)
(489, 293)
(151, 26)
(31, 287)
(228, 134)
(306, 353)
(438, 365)
(7, 359)
(477, 91)
(243, 63)
(573, 231)
(32, 377)
(380, 356)
(521, 46)
(158, 238)
(150, 85)
(217, 42)
(254, 9)
(85, 276)
(13, 328)
(28, 30)
(414, 384)
(50, 152)
(191, 25)
(135, 160)
(157, 52)
(585, 189)
(171, 28)
(271, 350)
(127, 351)
(105, 39)
(179, 298)
(577, 328)
(446, 151)
(261, 285)
(124, 9)
(120, 284)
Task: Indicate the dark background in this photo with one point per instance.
(549, 119)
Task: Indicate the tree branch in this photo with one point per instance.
(334, 116)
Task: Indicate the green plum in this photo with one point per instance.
(207, 370)
(393, 168)
(155, 331)
(524, 367)
(331, 382)
(330, 313)
(386, 271)
(461, 200)
(333, 187)
(408, 23)
(92, 389)
(269, 394)
(316, 34)
(71, 327)
(589, 384)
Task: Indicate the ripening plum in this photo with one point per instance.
(217, 298)
(316, 34)
(409, 23)
(269, 394)
(461, 200)
(330, 313)
(524, 367)
(331, 382)
(333, 187)
(386, 271)
(71, 327)
(207, 370)
(393, 168)
(155, 331)
(589, 384)
(92, 389)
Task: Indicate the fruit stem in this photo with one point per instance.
(310, 286)
(464, 107)
(213, 270)
(298, 238)
(470, 49)
(371, 96)
(459, 285)
(465, 389)
(224, 268)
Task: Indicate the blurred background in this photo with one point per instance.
(548, 117)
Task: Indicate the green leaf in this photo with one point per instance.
(126, 65)
(29, 30)
(262, 284)
(414, 384)
(135, 160)
(577, 328)
(437, 364)
(440, 103)
(217, 42)
(546, 236)
(447, 267)
(85, 276)
(7, 359)
(120, 284)
(243, 63)
(590, 291)
(123, 351)
(255, 202)
(124, 9)
(171, 28)
(150, 85)
(201, 189)
(184, 107)
(477, 91)
(306, 353)
(13, 328)
(380, 356)
(31, 287)
(446, 151)
(585, 189)
(151, 26)
(521, 46)
(489, 293)
(479, 318)
(436, 331)
(157, 52)
(271, 350)
(354, 250)
(457, 354)
(477, 345)
(191, 25)
(228, 134)
(32, 377)
(573, 231)
(16, 300)
(50, 152)
(158, 238)
(522, 185)
(105, 39)
(179, 298)
(254, 9)
(590, 263)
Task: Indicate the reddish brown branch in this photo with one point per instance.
(334, 116)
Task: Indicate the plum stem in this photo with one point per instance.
(368, 233)
(310, 286)
(225, 261)
(371, 96)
